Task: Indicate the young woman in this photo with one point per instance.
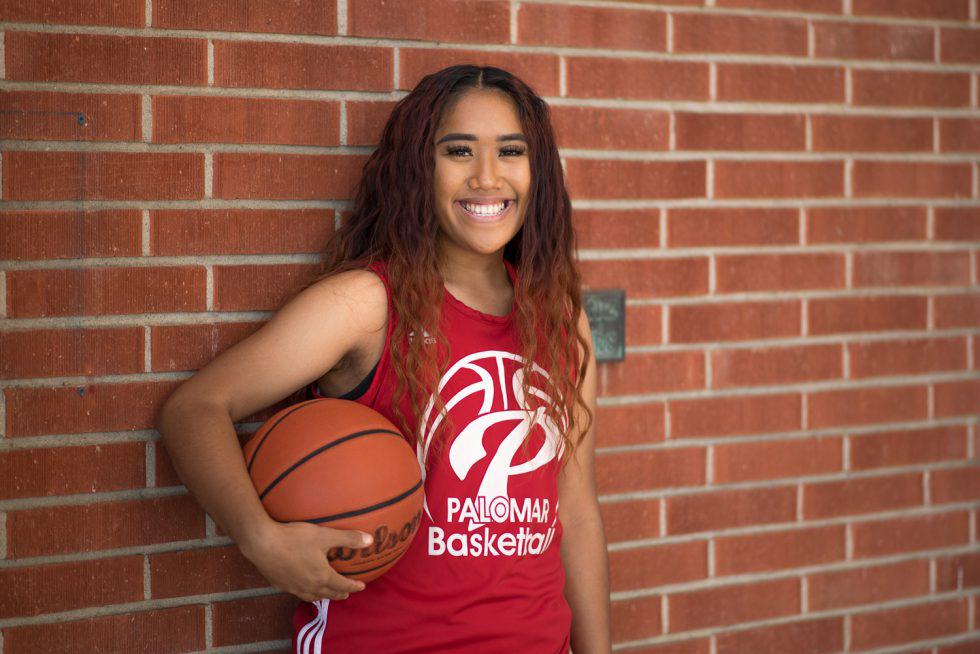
(449, 302)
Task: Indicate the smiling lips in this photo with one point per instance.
(485, 212)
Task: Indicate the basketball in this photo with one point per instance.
(340, 464)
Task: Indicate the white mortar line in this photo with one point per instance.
(936, 45)
(671, 131)
(3, 64)
(562, 76)
(209, 287)
(3, 534)
(343, 122)
(146, 118)
(670, 32)
(147, 591)
(808, 132)
(149, 13)
(210, 62)
(514, 7)
(208, 175)
(145, 233)
(712, 82)
(936, 138)
(208, 625)
(342, 17)
(395, 72)
(811, 39)
(846, 8)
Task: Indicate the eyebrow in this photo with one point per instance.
(517, 136)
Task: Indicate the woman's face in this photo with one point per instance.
(482, 173)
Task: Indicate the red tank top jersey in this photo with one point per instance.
(483, 574)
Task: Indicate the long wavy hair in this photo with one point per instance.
(393, 219)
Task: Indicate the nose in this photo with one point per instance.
(485, 175)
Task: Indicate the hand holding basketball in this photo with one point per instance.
(292, 556)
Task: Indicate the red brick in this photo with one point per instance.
(720, 131)
(865, 224)
(205, 119)
(957, 311)
(253, 619)
(36, 175)
(617, 229)
(703, 32)
(671, 563)
(539, 71)
(630, 519)
(217, 570)
(866, 314)
(69, 234)
(910, 533)
(911, 88)
(907, 447)
(914, 268)
(52, 57)
(907, 357)
(366, 120)
(622, 472)
(71, 352)
(175, 232)
(277, 65)
(957, 571)
(775, 83)
(957, 484)
(862, 495)
(653, 372)
(723, 509)
(768, 460)
(190, 347)
(957, 223)
(178, 629)
(959, 398)
(270, 176)
(714, 226)
(959, 45)
(870, 41)
(47, 471)
(871, 133)
(779, 550)
(809, 6)
(37, 589)
(778, 179)
(945, 9)
(925, 621)
(959, 135)
(598, 178)
(735, 415)
(462, 21)
(733, 321)
(120, 13)
(83, 409)
(814, 636)
(630, 424)
(641, 277)
(912, 179)
(302, 17)
(603, 128)
(104, 291)
(255, 287)
(103, 525)
(30, 115)
(591, 27)
(729, 605)
(635, 618)
(867, 585)
(734, 367)
(639, 79)
(644, 325)
(738, 273)
(861, 406)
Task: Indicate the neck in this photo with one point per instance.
(470, 268)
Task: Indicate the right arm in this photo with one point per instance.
(302, 341)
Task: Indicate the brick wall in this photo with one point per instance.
(788, 190)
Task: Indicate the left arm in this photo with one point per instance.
(583, 543)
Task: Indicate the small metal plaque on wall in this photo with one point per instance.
(606, 311)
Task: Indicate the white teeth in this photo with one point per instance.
(484, 209)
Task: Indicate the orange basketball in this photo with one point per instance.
(343, 465)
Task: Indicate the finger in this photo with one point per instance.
(341, 583)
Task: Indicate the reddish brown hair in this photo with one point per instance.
(393, 219)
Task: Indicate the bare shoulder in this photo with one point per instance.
(304, 339)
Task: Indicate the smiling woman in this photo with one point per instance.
(460, 232)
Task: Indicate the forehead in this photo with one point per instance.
(484, 112)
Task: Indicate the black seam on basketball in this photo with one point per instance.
(368, 509)
(322, 449)
(255, 452)
(360, 572)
